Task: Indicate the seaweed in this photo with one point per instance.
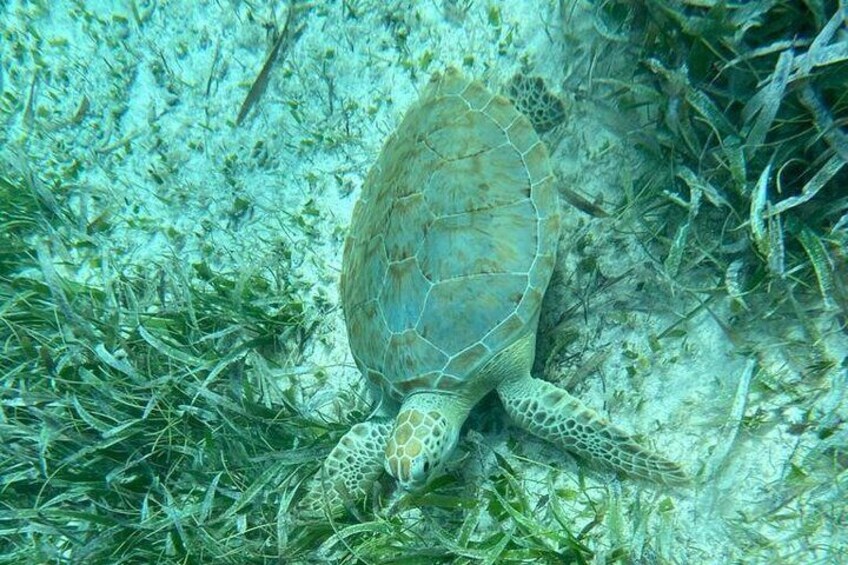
(283, 42)
(750, 108)
(741, 189)
(140, 419)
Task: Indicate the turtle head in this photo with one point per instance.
(420, 443)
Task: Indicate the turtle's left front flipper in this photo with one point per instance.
(552, 414)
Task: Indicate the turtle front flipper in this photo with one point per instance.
(348, 474)
(550, 413)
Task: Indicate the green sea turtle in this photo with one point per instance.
(450, 250)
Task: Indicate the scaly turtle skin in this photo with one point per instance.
(451, 248)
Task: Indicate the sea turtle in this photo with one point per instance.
(449, 253)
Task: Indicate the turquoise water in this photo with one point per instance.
(178, 180)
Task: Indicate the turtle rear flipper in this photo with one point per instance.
(552, 414)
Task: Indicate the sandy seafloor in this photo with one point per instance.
(139, 110)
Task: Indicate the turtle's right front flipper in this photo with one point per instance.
(552, 414)
(347, 475)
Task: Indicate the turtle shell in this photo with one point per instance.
(452, 242)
